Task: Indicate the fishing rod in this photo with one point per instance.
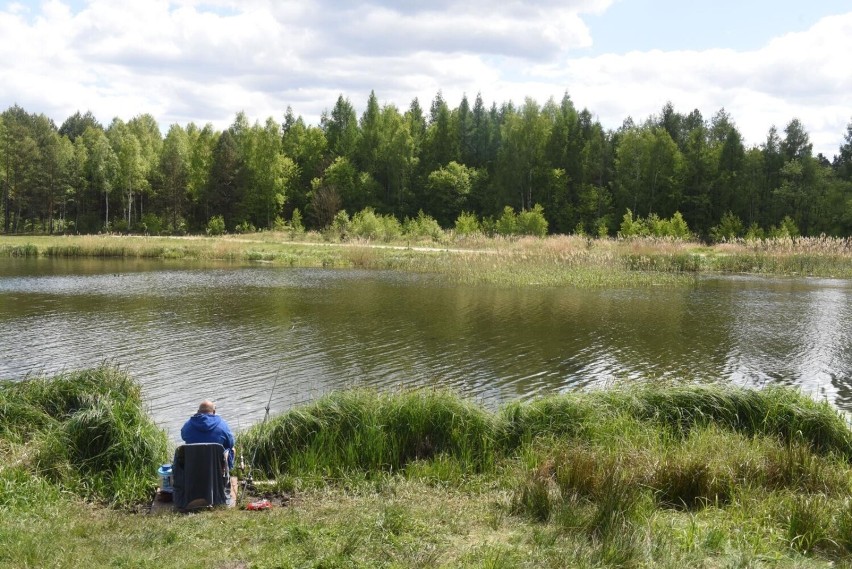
(249, 479)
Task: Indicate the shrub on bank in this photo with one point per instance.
(216, 225)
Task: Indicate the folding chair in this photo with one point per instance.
(200, 477)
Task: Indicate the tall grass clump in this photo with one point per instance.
(25, 250)
(86, 431)
(587, 490)
(558, 415)
(773, 411)
(807, 520)
(365, 430)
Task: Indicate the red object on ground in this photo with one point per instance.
(259, 505)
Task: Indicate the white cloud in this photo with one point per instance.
(205, 60)
(803, 75)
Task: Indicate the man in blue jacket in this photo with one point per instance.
(208, 427)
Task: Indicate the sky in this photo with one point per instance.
(765, 62)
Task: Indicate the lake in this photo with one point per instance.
(189, 332)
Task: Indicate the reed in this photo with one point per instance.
(557, 260)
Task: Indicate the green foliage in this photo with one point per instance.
(632, 227)
(656, 475)
(278, 224)
(677, 227)
(532, 222)
(422, 226)
(245, 226)
(363, 430)
(507, 224)
(785, 230)
(844, 527)
(152, 224)
(216, 225)
(392, 229)
(533, 499)
(26, 250)
(807, 522)
(366, 225)
(754, 232)
(654, 226)
(467, 224)
(86, 431)
(296, 223)
(730, 227)
(339, 226)
(89, 178)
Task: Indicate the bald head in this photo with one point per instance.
(207, 407)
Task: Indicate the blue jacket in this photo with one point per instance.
(204, 428)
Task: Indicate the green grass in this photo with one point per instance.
(647, 476)
(553, 261)
(86, 431)
(366, 430)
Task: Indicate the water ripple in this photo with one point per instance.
(187, 335)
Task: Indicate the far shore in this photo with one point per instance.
(551, 261)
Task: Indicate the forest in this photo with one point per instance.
(82, 177)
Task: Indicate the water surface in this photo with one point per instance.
(188, 332)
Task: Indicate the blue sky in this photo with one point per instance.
(764, 62)
(644, 25)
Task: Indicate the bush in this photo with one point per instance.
(467, 224)
(755, 232)
(632, 228)
(678, 227)
(296, 223)
(245, 227)
(532, 222)
(785, 230)
(339, 226)
(391, 227)
(119, 226)
(151, 224)
(423, 226)
(366, 224)
(675, 227)
(507, 224)
(730, 227)
(216, 225)
(278, 224)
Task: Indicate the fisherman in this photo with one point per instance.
(208, 427)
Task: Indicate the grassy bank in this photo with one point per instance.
(662, 476)
(556, 260)
(86, 433)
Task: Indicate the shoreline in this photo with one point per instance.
(659, 475)
(551, 261)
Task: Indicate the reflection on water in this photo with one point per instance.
(223, 332)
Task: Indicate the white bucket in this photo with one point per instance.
(165, 474)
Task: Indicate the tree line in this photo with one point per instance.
(474, 159)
